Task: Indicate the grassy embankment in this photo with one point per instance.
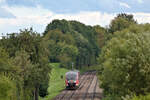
(56, 84)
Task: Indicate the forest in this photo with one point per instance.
(121, 52)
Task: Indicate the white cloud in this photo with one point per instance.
(140, 1)
(124, 5)
(39, 17)
(89, 18)
(142, 17)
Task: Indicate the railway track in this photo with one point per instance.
(82, 83)
(88, 89)
(90, 83)
(64, 95)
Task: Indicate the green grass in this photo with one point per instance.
(56, 84)
(147, 97)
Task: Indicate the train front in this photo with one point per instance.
(72, 81)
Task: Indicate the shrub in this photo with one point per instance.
(7, 88)
(147, 97)
(141, 97)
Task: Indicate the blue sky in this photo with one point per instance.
(16, 14)
(74, 6)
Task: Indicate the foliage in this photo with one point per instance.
(7, 84)
(57, 24)
(7, 88)
(101, 35)
(56, 85)
(4, 60)
(125, 63)
(90, 68)
(71, 41)
(61, 47)
(28, 52)
(122, 21)
(136, 29)
(111, 97)
(25, 67)
(147, 97)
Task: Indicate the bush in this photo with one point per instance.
(111, 97)
(125, 62)
(147, 97)
(7, 88)
(141, 97)
(43, 88)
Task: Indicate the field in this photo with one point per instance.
(56, 84)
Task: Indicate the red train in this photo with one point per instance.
(72, 79)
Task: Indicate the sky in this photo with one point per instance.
(21, 14)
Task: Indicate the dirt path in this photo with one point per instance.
(88, 89)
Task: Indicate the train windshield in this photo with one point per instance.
(71, 76)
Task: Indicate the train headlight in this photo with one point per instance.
(77, 84)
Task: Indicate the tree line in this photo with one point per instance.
(72, 41)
